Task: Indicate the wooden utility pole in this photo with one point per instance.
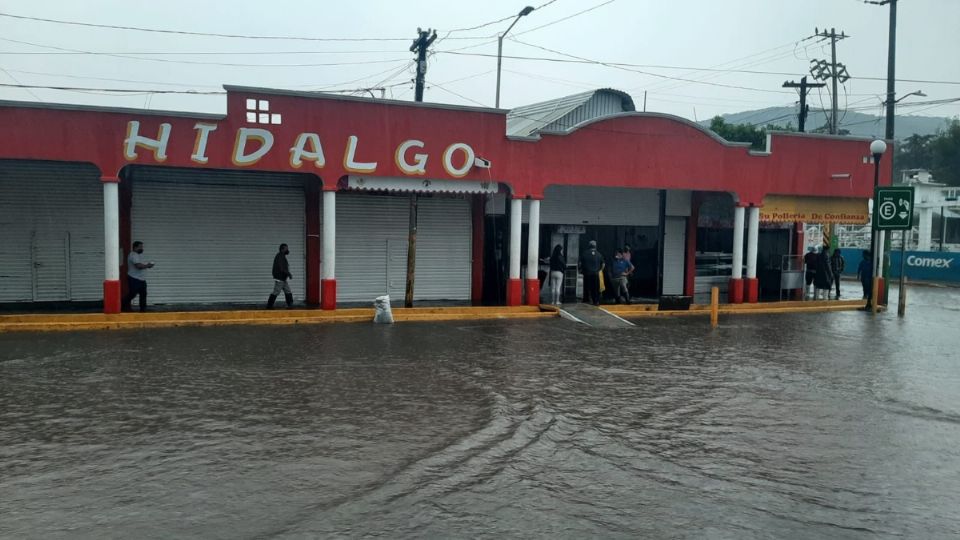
(420, 46)
(803, 88)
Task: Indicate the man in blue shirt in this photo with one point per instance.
(622, 268)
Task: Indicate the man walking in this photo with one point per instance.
(136, 277)
(837, 264)
(823, 276)
(865, 274)
(810, 262)
(591, 264)
(622, 268)
(281, 273)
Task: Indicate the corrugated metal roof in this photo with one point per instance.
(567, 111)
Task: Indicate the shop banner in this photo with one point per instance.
(782, 208)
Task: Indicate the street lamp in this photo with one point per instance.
(877, 148)
(523, 13)
(917, 93)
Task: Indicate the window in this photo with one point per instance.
(258, 112)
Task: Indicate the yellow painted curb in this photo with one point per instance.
(634, 312)
(100, 321)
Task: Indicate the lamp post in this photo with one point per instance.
(523, 13)
(877, 148)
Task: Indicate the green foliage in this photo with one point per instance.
(756, 136)
(939, 154)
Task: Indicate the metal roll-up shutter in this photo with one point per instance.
(372, 247)
(51, 232)
(674, 254)
(443, 249)
(213, 234)
(590, 205)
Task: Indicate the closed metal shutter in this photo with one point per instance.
(674, 254)
(444, 250)
(588, 205)
(51, 232)
(372, 247)
(213, 234)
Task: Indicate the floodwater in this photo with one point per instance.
(839, 425)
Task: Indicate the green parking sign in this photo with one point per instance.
(893, 208)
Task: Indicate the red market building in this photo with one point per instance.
(213, 196)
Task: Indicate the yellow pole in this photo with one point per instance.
(876, 289)
(714, 306)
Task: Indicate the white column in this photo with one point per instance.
(737, 272)
(878, 268)
(111, 231)
(926, 229)
(753, 234)
(516, 209)
(329, 262)
(533, 240)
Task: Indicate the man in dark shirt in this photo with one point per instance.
(865, 273)
(281, 273)
(591, 263)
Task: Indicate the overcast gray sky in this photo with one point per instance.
(752, 35)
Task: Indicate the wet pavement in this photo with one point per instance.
(835, 425)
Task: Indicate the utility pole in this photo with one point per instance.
(420, 46)
(822, 70)
(891, 104)
(803, 87)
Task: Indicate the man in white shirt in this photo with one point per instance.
(137, 277)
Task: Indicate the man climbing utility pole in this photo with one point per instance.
(420, 46)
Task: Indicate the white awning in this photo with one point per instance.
(419, 185)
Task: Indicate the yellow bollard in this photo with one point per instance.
(714, 306)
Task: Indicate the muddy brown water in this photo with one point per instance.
(836, 425)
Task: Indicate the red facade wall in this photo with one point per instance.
(631, 150)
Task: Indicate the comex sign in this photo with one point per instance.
(929, 262)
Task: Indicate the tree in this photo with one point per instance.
(756, 136)
(939, 154)
(945, 150)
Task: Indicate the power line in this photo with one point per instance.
(205, 34)
(568, 17)
(114, 90)
(620, 66)
(192, 62)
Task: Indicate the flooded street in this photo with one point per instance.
(837, 425)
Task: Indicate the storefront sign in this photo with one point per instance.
(251, 144)
(571, 229)
(780, 208)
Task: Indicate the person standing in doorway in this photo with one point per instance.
(865, 275)
(622, 268)
(558, 265)
(281, 273)
(136, 277)
(823, 276)
(837, 264)
(591, 264)
(810, 262)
